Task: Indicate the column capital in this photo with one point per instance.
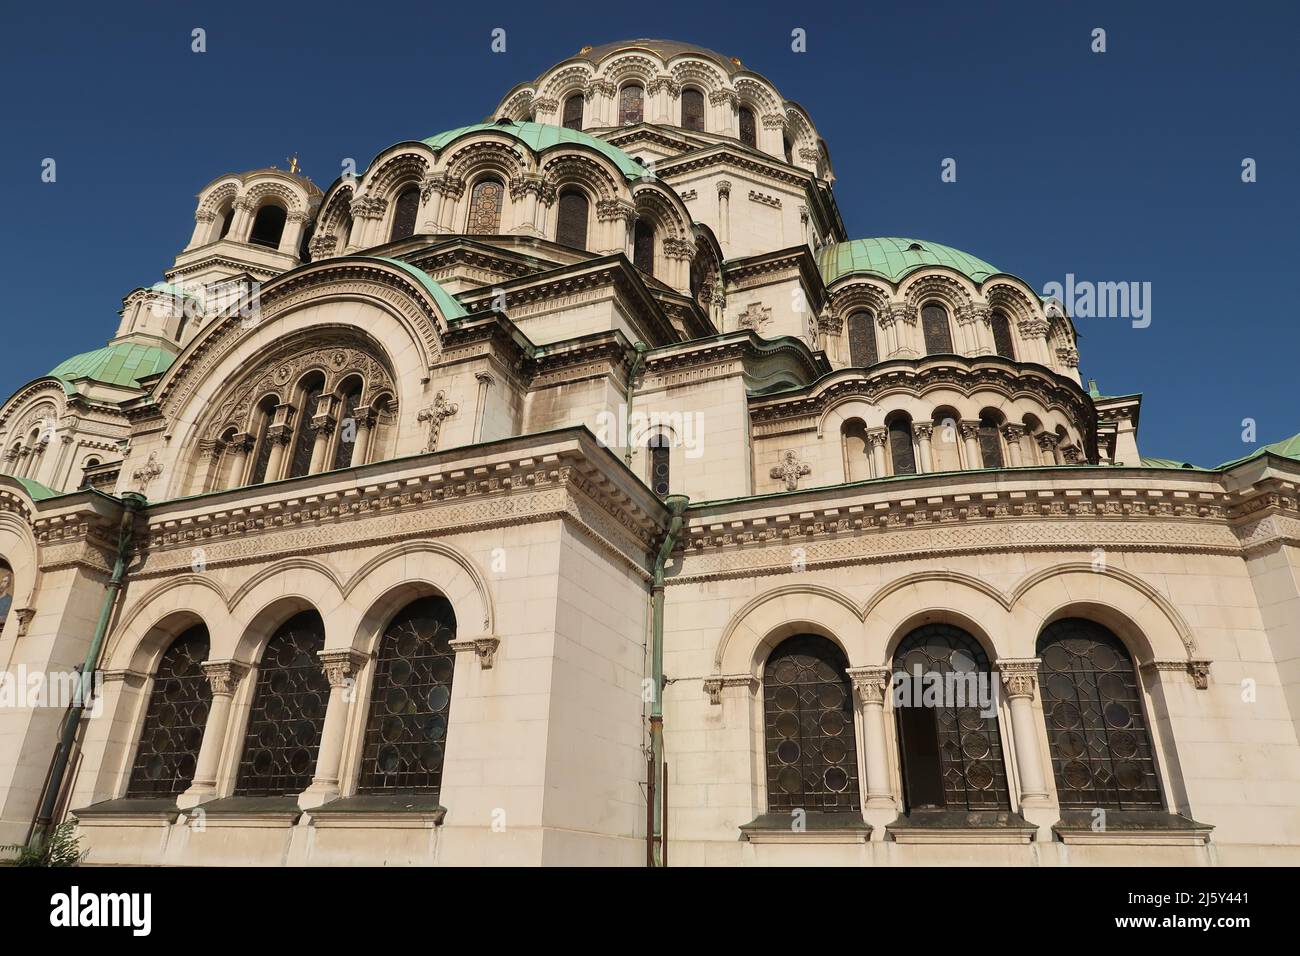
(1019, 675)
(870, 683)
(970, 428)
(341, 665)
(923, 430)
(224, 676)
(1013, 433)
(877, 436)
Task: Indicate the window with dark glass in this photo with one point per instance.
(1096, 730)
(571, 220)
(573, 112)
(1002, 343)
(693, 109)
(6, 590)
(405, 211)
(948, 740)
(288, 713)
(226, 218)
(990, 442)
(262, 452)
(174, 720)
(901, 453)
(748, 127)
(789, 150)
(631, 100)
(347, 427)
(862, 339)
(268, 226)
(659, 456)
(485, 207)
(304, 436)
(406, 730)
(812, 761)
(938, 334)
(643, 247)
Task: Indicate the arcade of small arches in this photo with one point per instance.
(267, 208)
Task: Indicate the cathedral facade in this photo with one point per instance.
(572, 488)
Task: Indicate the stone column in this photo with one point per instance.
(724, 211)
(291, 238)
(202, 225)
(431, 203)
(1013, 434)
(365, 419)
(869, 684)
(323, 426)
(923, 432)
(876, 438)
(1019, 678)
(239, 447)
(970, 431)
(485, 382)
(1047, 443)
(341, 668)
(224, 676)
(279, 436)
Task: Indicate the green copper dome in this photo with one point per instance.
(120, 364)
(892, 258)
(540, 137)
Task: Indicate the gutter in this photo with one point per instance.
(677, 505)
(132, 503)
(639, 360)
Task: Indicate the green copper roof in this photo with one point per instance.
(120, 364)
(451, 309)
(540, 137)
(35, 490)
(1287, 448)
(892, 258)
(1148, 462)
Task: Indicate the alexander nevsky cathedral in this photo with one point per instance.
(573, 488)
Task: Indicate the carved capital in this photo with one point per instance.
(1019, 676)
(713, 686)
(485, 648)
(869, 683)
(224, 676)
(724, 188)
(341, 666)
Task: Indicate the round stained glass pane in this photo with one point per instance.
(916, 662)
(1079, 646)
(962, 662)
(266, 735)
(153, 768)
(979, 776)
(400, 672)
(830, 695)
(396, 700)
(975, 746)
(789, 781)
(431, 756)
(279, 682)
(1065, 716)
(274, 708)
(1112, 686)
(1117, 715)
(1128, 776)
(836, 779)
(262, 762)
(971, 719)
(786, 698)
(439, 697)
(1070, 744)
(1056, 658)
(388, 760)
(440, 670)
(390, 728)
(786, 672)
(1076, 775)
(437, 728)
(166, 715)
(300, 761)
(1103, 658)
(787, 751)
(787, 725)
(1123, 743)
(406, 644)
(285, 654)
(832, 723)
(1060, 687)
(185, 767)
(834, 751)
(824, 671)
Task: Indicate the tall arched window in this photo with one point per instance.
(643, 247)
(288, 713)
(948, 740)
(862, 339)
(262, 450)
(812, 760)
(573, 112)
(901, 453)
(571, 219)
(304, 435)
(748, 128)
(268, 226)
(86, 469)
(1002, 342)
(693, 109)
(347, 428)
(6, 590)
(857, 451)
(485, 207)
(938, 334)
(660, 447)
(227, 217)
(173, 723)
(789, 150)
(406, 209)
(410, 702)
(631, 103)
(1096, 730)
(990, 442)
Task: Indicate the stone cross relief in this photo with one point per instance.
(791, 470)
(434, 415)
(754, 317)
(147, 472)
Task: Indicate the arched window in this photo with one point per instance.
(174, 720)
(1096, 731)
(990, 442)
(410, 702)
(304, 437)
(862, 339)
(643, 247)
(573, 112)
(90, 465)
(857, 451)
(748, 128)
(268, 226)
(659, 446)
(938, 334)
(571, 219)
(406, 210)
(347, 430)
(288, 713)
(948, 740)
(6, 590)
(812, 760)
(789, 150)
(693, 109)
(485, 207)
(1002, 342)
(262, 451)
(901, 453)
(631, 102)
(227, 218)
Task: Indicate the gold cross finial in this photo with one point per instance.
(293, 164)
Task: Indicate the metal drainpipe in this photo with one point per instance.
(132, 503)
(637, 362)
(677, 505)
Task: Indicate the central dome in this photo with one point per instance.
(893, 257)
(665, 49)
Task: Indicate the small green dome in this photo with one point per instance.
(120, 364)
(893, 257)
(540, 137)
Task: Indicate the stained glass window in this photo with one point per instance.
(571, 220)
(643, 247)
(1002, 343)
(659, 456)
(948, 738)
(262, 454)
(288, 714)
(693, 109)
(862, 339)
(347, 427)
(938, 335)
(174, 720)
(748, 128)
(1096, 730)
(573, 112)
(405, 211)
(410, 704)
(812, 761)
(990, 443)
(485, 207)
(304, 437)
(901, 453)
(631, 100)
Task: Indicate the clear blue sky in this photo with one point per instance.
(1122, 166)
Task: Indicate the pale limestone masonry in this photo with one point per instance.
(410, 384)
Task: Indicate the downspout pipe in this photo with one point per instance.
(638, 360)
(132, 504)
(677, 505)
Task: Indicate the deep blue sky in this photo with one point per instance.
(1122, 166)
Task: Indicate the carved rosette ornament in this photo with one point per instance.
(791, 470)
(224, 676)
(1019, 677)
